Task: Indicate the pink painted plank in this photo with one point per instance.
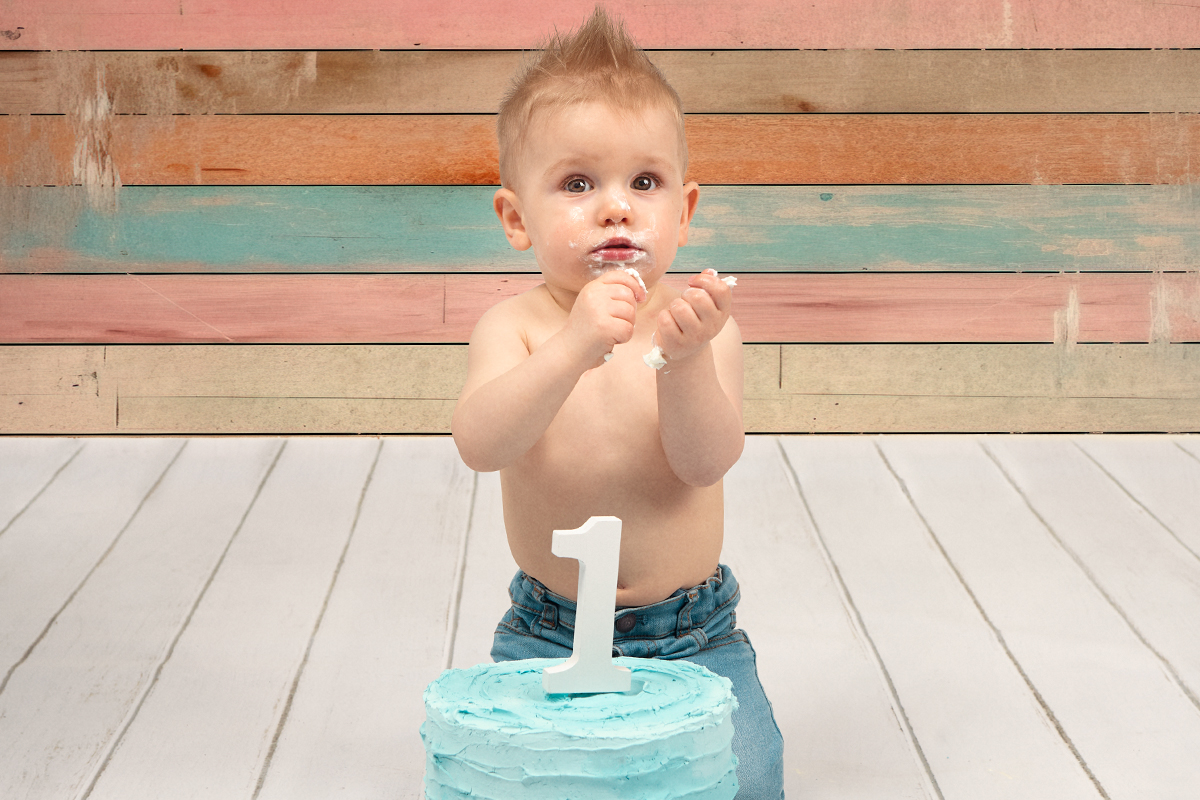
(877, 307)
(435, 24)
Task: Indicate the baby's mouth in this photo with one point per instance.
(619, 249)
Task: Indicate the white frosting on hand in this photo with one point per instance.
(638, 276)
(655, 358)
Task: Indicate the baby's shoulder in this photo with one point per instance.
(513, 315)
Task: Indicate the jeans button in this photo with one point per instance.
(626, 622)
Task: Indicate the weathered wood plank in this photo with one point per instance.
(790, 388)
(27, 467)
(487, 570)
(206, 727)
(708, 82)
(1150, 578)
(839, 727)
(736, 228)
(380, 25)
(415, 309)
(50, 550)
(1132, 730)
(353, 726)
(980, 730)
(1158, 474)
(724, 149)
(120, 627)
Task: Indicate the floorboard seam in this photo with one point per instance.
(111, 747)
(79, 587)
(1041, 701)
(1091, 576)
(33, 499)
(861, 628)
(337, 570)
(460, 571)
(1134, 498)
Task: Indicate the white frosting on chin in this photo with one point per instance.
(492, 732)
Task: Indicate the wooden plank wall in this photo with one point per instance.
(227, 217)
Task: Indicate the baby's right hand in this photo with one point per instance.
(604, 313)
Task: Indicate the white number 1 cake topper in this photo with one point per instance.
(590, 669)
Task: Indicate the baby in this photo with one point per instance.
(562, 396)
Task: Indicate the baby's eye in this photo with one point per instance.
(577, 185)
(644, 183)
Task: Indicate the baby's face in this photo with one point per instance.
(597, 190)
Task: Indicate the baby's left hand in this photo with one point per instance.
(694, 318)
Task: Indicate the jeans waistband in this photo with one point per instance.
(676, 627)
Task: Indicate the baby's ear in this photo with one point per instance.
(691, 196)
(508, 209)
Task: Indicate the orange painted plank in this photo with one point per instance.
(386, 24)
(724, 149)
(343, 309)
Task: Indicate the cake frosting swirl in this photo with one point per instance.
(492, 732)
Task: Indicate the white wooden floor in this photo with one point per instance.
(935, 616)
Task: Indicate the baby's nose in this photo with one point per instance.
(616, 206)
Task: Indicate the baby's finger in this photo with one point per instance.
(720, 292)
(623, 278)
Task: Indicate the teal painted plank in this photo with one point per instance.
(745, 228)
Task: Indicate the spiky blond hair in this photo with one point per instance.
(600, 61)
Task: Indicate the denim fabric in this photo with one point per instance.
(695, 624)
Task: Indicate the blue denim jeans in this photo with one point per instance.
(696, 624)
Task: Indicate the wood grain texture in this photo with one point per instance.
(353, 726)
(837, 717)
(150, 581)
(724, 149)
(1147, 574)
(261, 389)
(708, 82)
(378, 24)
(1072, 645)
(736, 228)
(218, 701)
(364, 309)
(980, 729)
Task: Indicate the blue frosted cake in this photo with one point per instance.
(492, 732)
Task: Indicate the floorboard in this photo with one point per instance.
(839, 727)
(1130, 730)
(353, 727)
(1151, 579)
(974, 719)
(208, 723)
(1158, 474)
(27, 467)
(936, 617)
(49, 551)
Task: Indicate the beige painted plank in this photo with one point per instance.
(488, 569)
(50, 550)
(206, 726)
(1158, 474)
(723, 81)
(1147, 574)
(197, 389)
(353, 727)
(435, 372)
(27, 467)
(207, 415)
(831, 703)
(908, 414)
(978, 724)
(1135, 732)
(54, 390)
(69, 701)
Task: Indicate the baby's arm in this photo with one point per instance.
(511, 396)
(700, 390)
